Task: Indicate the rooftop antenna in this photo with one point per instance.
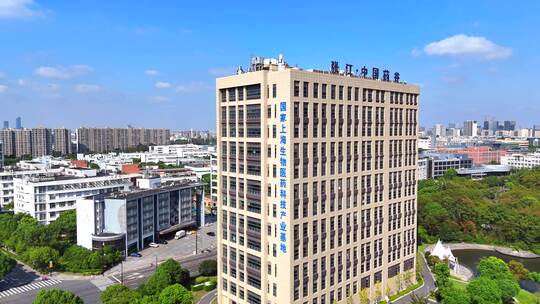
(240, 70)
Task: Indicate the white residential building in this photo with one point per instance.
(422, 168)
(45, 197)
(520, 161)
(185, 151)
(6, 181)
(470, 128)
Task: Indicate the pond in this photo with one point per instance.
(471, 257)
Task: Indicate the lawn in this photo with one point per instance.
(525, 297)
(458, 283)
(197, 295)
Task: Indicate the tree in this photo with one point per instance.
(442, 274)
(208, 268)
(453, 295)
(56, 296)
(65, 226)
(41, 257)
(518, 270)
(156, 283)
(119, 294)
(6, 265)
(378, 291)
(493, 268)
(175, 294)
(176, 272)
(484, 290)
(509, 289)
(363, 296)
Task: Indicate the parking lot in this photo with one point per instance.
(176, 249)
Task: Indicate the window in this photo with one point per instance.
(333, 91)
(253, 91)
(274, 90)
(315, 90)
(305, 89)
(296, 88)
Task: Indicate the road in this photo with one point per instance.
(134, 278)
(20, 275)
(207, 299)
(429, 285)
(84, 289)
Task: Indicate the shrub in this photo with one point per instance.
(208, 268)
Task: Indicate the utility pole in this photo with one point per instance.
(196, 242)
(122, 272)
(155, 267)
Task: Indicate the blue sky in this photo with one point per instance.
(153, 63)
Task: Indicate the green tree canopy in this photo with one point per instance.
(483, 290)
(119, 294)
(208, 268)
(6, 265)
(453, 295)
(175, 294)
(41, 257)
(442, 274)
(56, 296)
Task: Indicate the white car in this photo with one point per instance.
(153, 245)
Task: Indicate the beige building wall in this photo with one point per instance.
(383, 186)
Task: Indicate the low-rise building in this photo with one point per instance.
(422, 168)
(485, 170)
(439, 163)
(130, 220)
(521, 160)
(46, 197)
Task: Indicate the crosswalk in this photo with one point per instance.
(28, 287)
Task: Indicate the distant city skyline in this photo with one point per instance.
(160, 62)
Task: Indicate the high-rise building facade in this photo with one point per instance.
(6, 124)
(1, 154)
(62, 141)
(23, 142)
(42, 142)
(101, 140)
(316, 183)
(8, 138)
(18, 123)
(470, 128)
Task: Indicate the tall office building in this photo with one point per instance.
(470, 128)
(62, 141)
(23, 142)
(6, 124)
(316, 184)
(41, 142)
(509, 125)
(18, 123)
(110, 139)
(439, 130)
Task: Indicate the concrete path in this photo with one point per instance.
(209, 297)
(429, 285)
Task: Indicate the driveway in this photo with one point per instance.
(429, 285)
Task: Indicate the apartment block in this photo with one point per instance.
(8, 138)
(101, 140)
(316, 184)
(42, 142)
(62, 141)
(1, 155)
(45, 197)
(23, 142)
(7, 190)
(130, 220)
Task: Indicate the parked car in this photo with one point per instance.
(211, 233)
(205, 251)
(153, 245)
(179, 234)
(135, 255)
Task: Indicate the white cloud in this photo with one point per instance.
(3, 88)
(18, 9)
(193, 87)
(162, 85)
(21, 82)
(463, 45)
(159, 99)
(86, 88)
(63, 72)
(152, 72)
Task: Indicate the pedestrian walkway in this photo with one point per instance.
(28, 287)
